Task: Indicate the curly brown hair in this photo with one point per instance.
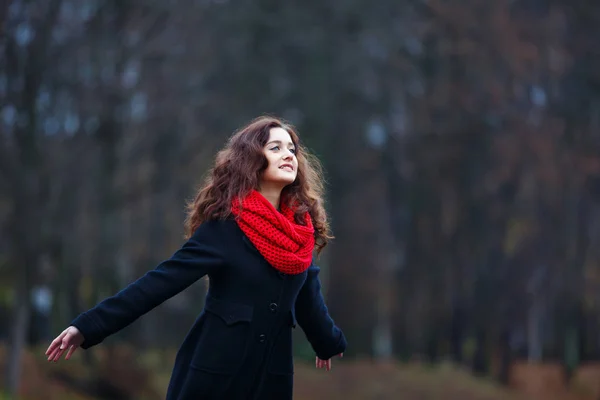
(237, 171)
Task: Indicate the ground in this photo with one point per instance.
(119, 373)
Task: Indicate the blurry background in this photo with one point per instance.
(461, 142)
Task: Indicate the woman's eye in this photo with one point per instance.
(275, 148)
(293, 151)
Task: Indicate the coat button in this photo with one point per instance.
(273, 307)
(262, 338)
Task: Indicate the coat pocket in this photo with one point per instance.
(223, 341)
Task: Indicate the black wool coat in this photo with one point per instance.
(240, 346)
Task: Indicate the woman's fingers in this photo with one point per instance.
(50, 355)
(61, 344)
(56, 343)
(59, 352)
(323, 363)
(53, 355)
(71, 351)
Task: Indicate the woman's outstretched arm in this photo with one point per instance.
(326, 339)
(195, 259)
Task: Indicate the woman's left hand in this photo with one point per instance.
(325, 363)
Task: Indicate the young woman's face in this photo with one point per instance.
(281, 156)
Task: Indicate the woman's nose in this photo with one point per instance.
(288, 154)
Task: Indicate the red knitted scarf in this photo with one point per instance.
(286, 245)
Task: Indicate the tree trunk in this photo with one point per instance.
(505, 355)
(534, 330)
(18, 335)
(457, 333)
(480, 364)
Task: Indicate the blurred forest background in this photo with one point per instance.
(461, 142)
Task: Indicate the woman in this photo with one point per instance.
(252, 229)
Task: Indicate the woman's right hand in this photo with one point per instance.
(69, 339)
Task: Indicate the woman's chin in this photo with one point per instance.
(286, 179)
(280, 182)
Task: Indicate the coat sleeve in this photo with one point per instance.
(326, 339)
(195, 259)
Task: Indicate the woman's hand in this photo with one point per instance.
(325, 363)
(69, 339)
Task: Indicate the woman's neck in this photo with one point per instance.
(273, 195)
